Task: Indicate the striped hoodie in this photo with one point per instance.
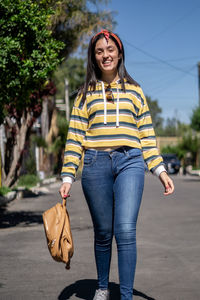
(97, 122)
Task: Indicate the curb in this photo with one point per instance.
(8, 198)
(22, 192)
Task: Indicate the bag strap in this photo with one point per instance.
(61, 221)
(67, 266)
(64, 202)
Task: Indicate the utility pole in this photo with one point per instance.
(67, 98)
(199, 80)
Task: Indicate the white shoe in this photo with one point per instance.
(102, 295)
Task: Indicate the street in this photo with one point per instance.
(168, 239)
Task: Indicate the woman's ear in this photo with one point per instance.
(119, 56)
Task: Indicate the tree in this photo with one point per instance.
(74, 20)
(74, 70)
(28, 52)
(191, 144)
(58, 141)
(171, 126)
(155, 111)
(195, 119)
(28, 56)
(195, 124)
(182, 128)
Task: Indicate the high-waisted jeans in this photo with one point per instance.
(113, 185)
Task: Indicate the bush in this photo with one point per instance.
(28, 181)
(4, 190)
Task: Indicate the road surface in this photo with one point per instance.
(168, 236)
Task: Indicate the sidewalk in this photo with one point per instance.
(23, 192)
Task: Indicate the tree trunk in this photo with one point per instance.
(45, 118)
(18, 148)
(198, 158)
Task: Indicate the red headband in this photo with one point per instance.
(107, 34)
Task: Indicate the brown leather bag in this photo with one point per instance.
(58, 233)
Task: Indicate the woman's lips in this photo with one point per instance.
(106, 63)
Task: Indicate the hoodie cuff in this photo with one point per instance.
(159, 170)
(67, 179)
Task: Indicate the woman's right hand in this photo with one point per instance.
(64, 189)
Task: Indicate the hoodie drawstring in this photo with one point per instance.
(105, 105)
(117, 109)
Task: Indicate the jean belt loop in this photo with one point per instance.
(111, 153)
(95, 154)
(126, 151)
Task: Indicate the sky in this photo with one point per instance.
(162, 50)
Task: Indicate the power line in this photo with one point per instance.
(170, 26)
(169, 60)
(158, 59)
(171, 82)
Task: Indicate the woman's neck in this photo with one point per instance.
(109, 78)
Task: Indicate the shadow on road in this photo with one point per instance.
(85, 289)
(23, 218)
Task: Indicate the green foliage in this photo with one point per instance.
(28, 181)
(59, 143)
(74, 70)
(30, 163)
(4, 190)
(170, 128)
(195, 119)
(56, 149)
(39, 141)
(182, 128)
(173, 127)
(155, 111)
(189, 144)
(178, 150)
(28, 53)
(74, 20)
(62, 127)
(34, 36)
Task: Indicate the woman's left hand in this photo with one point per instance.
(167, 183)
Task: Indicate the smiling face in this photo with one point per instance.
(107, 56)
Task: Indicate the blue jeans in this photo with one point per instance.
(113, 185)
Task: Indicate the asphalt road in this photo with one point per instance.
(168, 236)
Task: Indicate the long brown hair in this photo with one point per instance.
(94, 73)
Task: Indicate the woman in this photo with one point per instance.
(111, 125)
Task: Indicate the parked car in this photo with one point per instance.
(172, 163)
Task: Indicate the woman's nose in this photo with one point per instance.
(105, 54)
